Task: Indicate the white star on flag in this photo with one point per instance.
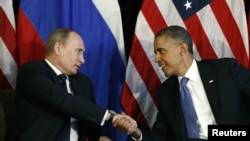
(188, 5)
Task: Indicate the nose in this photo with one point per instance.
(157, 58)
(82, 60)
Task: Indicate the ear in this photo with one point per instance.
(184, 48)
(57, 47)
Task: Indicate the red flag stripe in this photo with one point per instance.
(146, 42)
(141, 95)
(139, 74)
(142, 60)
(154, 19)
(210, 36)
(230, 30)
(31, 45)
(221, 48)
(8, 53)
(132, 107)
(172, 17)
(200, 38)
(8, 33)
(240, 19)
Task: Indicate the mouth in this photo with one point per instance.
(162, 66)
(77, 66)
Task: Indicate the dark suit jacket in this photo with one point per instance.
(228, 95)
(44, 108)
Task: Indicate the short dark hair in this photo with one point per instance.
(177, 33)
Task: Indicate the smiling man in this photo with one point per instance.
(215, 92)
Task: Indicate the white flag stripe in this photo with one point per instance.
(8, 64)
(146, 39)
(242, 23)
(213, 31)
(7, 7)
(213, 38)
(172, 17)
(170, 14)
(141, 95)
(111, 9)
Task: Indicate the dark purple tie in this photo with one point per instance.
(63, 78)
(65, 134)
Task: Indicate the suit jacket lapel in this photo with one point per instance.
(55, 78)
(77, 86)
(52, 74)
(208, 77)
(174, 96)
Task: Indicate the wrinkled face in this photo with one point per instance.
(168, 55)
(71, 54)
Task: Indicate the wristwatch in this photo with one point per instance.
(111, 115)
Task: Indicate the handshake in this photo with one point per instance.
(124, 123)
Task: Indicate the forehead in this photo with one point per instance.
(163, 41)
(75, 37)
(75, 40)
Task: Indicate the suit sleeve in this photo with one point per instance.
(241, 77)
(37, 85)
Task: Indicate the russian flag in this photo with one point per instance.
(99, 24)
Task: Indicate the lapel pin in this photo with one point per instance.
(211, 81)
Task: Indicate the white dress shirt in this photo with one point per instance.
(200, 101)
(73, 132)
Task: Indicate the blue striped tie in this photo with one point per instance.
(188, 110)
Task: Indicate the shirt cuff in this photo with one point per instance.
(104, 118)
(137, 139)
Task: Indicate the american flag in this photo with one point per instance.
(8, 48)
(218, 28)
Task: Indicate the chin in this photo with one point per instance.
(167, 74)
(74, 72)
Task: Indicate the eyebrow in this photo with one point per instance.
(159, 49)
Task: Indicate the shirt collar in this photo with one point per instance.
(192, 72)
(57, 71)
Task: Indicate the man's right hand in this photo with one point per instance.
(125, 123)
